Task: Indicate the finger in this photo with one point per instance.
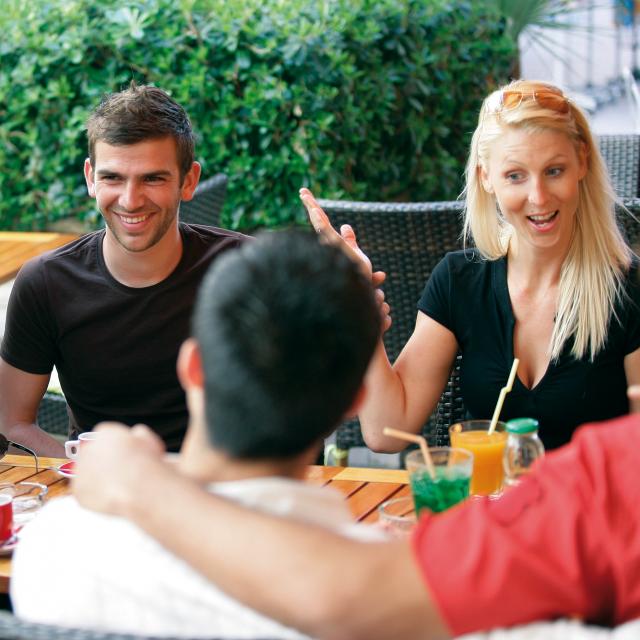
(110, 427)
(633, 393)
(378, 277)
(349, 236)
(379, 294)
(320, 221)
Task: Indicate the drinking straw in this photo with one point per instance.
(502, 396)
(411, 437)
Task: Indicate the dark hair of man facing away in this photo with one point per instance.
(286, 328)
(141, 113)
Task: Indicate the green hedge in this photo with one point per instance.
(360, 99)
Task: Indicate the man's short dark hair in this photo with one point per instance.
(286, 327)
(141, 113)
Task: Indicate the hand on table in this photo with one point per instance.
(346, 240)
(109, 469)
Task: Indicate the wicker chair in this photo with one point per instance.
(406, 241)
(52, 414)
(208, 200)
(13, 628)
(622, 156)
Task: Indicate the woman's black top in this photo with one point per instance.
(470, 297)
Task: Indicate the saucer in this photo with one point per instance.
(6, 548)
(66, 469)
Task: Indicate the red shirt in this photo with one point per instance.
(563, 543)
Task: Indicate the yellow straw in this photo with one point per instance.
(410, 437)
(503, 394)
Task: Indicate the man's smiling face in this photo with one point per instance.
(138, 190)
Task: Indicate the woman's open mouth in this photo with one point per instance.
(543, 220)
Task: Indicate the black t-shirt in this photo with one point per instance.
(470, 297)
(115, 347)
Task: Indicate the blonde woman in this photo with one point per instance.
(551, 281)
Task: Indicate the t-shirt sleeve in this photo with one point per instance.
(493, 563)
(436, 297)
(29, 338)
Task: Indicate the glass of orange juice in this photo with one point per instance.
(488, 472)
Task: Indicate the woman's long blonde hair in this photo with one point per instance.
(591, 278)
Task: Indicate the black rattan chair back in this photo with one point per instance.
(621, 154)
(52, 414)
(206, 205)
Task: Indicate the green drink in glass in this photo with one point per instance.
(450, 484)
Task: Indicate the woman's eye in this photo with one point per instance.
(514, 176)
(555, 171)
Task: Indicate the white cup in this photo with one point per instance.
(72, 447)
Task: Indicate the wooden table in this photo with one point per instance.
(17, 247)
(364, 489)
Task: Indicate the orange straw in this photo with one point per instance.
(502, 396)
(410, 437)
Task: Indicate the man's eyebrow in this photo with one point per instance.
(148, 174)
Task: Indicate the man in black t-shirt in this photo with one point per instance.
(111, 309)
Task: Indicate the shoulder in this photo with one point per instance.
(465, 265)
(77, 252)
(199, 234)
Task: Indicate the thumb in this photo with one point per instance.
(148, 439)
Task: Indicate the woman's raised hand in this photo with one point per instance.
(346, 240)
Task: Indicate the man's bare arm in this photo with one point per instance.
(20, 396)
(306, 577)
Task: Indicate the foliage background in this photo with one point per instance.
(359, 99)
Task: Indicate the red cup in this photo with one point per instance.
(6, 518)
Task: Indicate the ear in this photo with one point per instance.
(189, 365)
(190, 181)
(88, 176)
(483, 174)
(356, 403)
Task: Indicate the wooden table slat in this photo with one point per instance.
(372, 516)
(320, 475)
(373, 475)
(346, 487)
(18, 247)
(368, 498)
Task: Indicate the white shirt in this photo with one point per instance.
(560, 630)
(111, 575)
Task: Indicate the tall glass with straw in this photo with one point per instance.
(439, 476)
(486, 439)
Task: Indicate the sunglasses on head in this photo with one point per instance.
(512, 99)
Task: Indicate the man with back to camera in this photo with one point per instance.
(111, 309)
(273, 367)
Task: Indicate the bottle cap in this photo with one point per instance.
(522, 425)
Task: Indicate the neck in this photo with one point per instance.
(534, 269)
(143, 268)
(205, 464)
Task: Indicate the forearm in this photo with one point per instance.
(33, 437)
(352, 590)
(385, 404)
